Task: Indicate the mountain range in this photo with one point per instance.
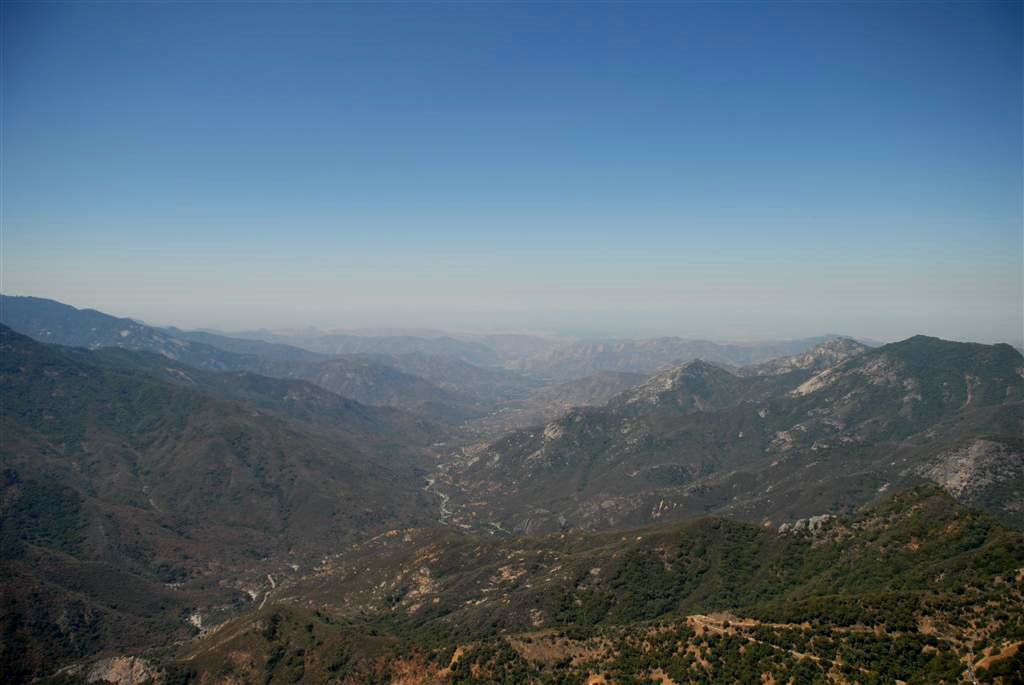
(361, 378)
(773, 443)
(184, 506)
(445, 379)
(586, 357)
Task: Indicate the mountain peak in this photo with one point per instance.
(692, 386)
(820, 356)
(699, 366)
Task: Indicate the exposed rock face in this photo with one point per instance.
(692, 386)
(821, 356)
(123, 670)
(813, 524)
(973, 471)
(879, 370)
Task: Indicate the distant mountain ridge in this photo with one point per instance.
(445, 379)
(334, 344)
(489, 383)
(585, 358)
(53, 322)
(364, 380)
(504, 347)
(551, 401)
(297, 399)
(245, 346)
(827, 353)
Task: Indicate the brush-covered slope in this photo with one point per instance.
(389, 431)
(916, 588)
(162, 444)
(127, 498)
(696, 386)
(699, 438)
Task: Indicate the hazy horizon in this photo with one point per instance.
(566, 334)
(721, 171)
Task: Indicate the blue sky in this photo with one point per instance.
(721, 170)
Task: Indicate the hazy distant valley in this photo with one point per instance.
(190, 506)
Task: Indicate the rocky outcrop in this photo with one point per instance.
(972, 471)
(821, 356)
(118, 670)
(812, 525)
